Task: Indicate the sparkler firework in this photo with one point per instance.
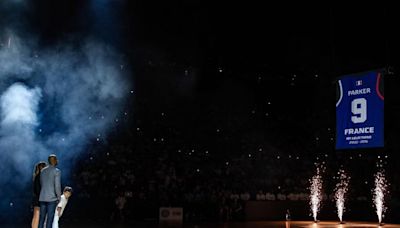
(340, 193)
(316, 193)
(379, 193)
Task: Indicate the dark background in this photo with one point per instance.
(220, 80)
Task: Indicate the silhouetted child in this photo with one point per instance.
(61, 205)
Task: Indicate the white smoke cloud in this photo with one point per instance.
(55, 100)
(19, 105)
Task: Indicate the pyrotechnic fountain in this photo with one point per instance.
(316, 193)
(379, 194)
(340, 193)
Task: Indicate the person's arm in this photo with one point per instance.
(58, 184)
(60, 206)
(59, 211)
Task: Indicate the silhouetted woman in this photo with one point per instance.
(36, 192)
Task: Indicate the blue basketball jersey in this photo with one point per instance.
(359, 112)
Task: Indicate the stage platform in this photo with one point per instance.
(260, 224)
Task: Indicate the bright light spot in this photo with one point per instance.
(19, 105)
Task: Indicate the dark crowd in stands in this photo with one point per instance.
(154, 167)
(134, 188)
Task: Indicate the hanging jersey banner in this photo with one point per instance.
(360, 111)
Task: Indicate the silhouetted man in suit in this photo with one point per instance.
(50, 193)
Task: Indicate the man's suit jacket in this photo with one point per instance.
(50, 181)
